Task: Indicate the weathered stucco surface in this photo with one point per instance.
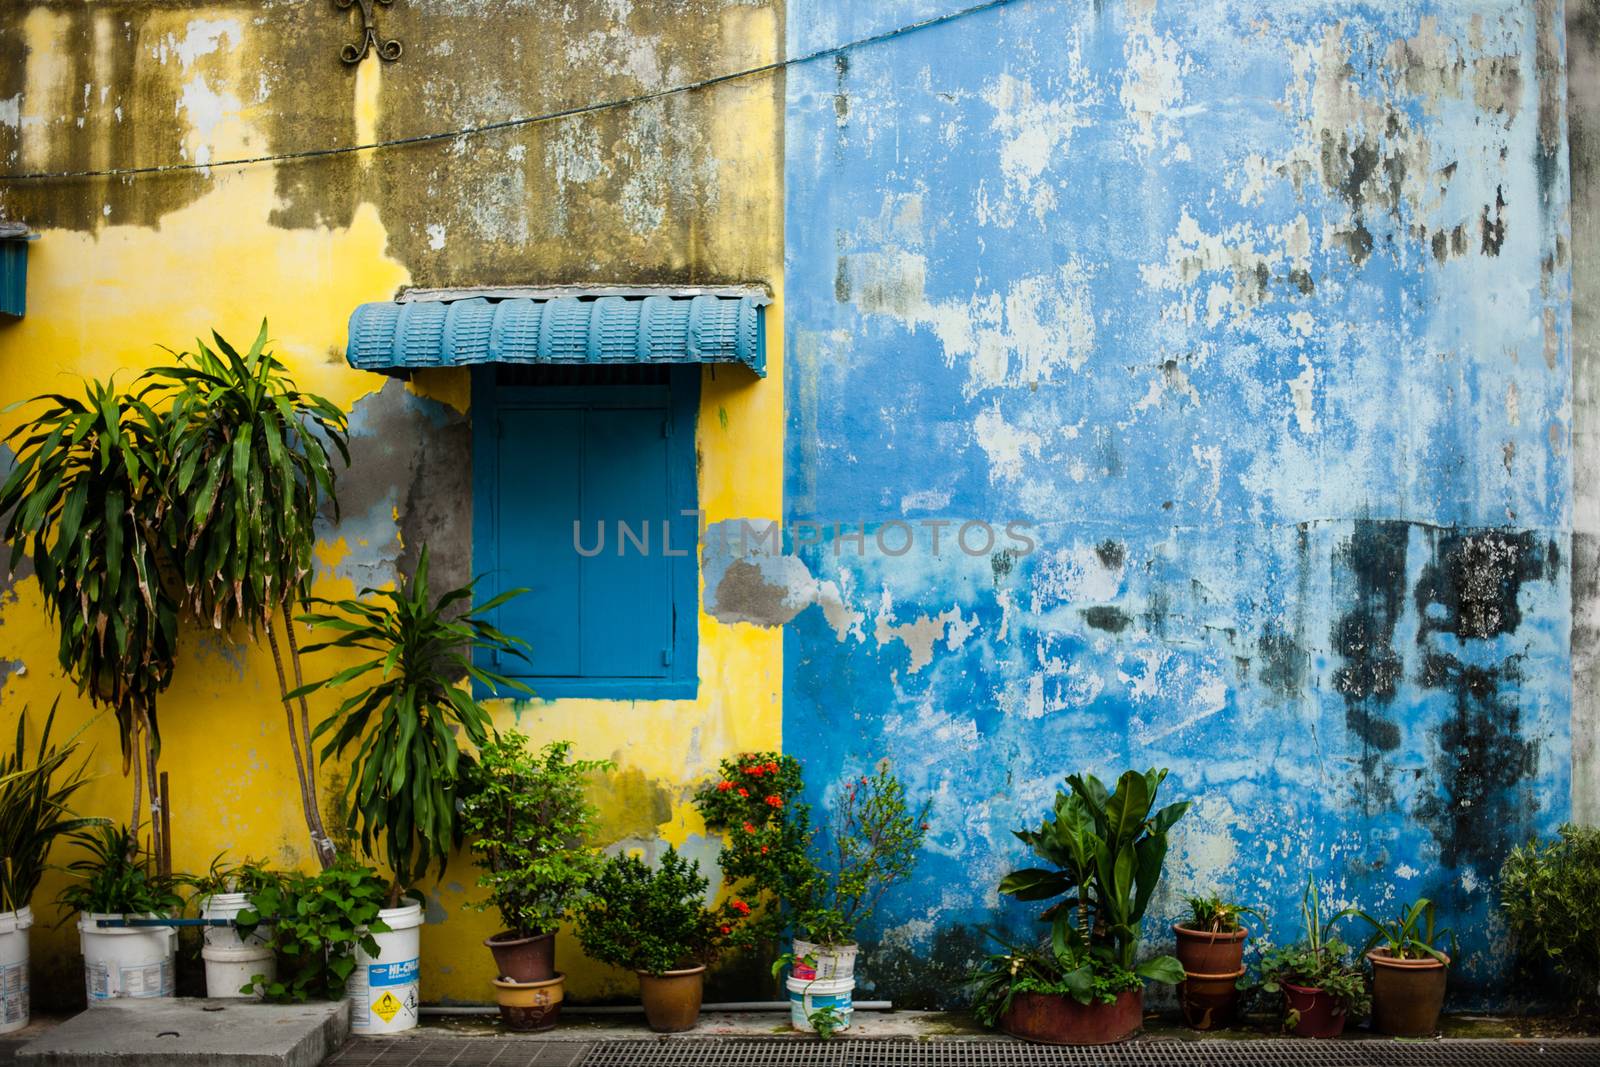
(686, 189)
(1583, 133)
(1259, 314)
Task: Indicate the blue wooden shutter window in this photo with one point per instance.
(620, 623)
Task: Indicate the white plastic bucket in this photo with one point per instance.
(229, 970)
(383, 992)
(14, 969)
(127, 961)
(830, 963)
(226, 906)
(807, 996)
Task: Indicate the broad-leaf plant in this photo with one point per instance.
(1105, 849)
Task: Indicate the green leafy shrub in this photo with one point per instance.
(820, 886)
(875, 838)
(528, 822)
(317, 923)
(403, 722)
(1000, 978)
(1318, 961)
(248, 876)
(1549, 892)
(652, 920)
(754, 802)
(35, 796)
(118, 876)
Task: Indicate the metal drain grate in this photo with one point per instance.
(748, 1052)
(1266, 1053)
(458, 1052)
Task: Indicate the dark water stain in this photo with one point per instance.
(1370, 578)
(1472, 582)
(841, 280)
(1111, 620)
(1112, 554)
(1281, 663)
(1001, 564)
(933, 978)
(1493, 231)
(1480, 801)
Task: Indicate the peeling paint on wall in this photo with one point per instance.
(1258, 314)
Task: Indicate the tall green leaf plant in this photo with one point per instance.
(85, 502)
(251, 465)
(406, 700)
(36, 788)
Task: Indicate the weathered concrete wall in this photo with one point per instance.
(1583, 133)
(684, 189)
(1258, 313)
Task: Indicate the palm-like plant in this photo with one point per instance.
(250, 468)
(35, 809)
(84, 501)
(403, 780)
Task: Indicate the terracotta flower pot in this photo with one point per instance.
(1209, 1001)
(1210, 952)
(528, 1006)
(524, 959)
(1318, 1015)
(1056, 1019)
(672, 1000)
(1407, 995)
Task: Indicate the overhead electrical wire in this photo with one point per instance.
(525, 120)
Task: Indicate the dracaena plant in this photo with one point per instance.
(36, 789)
(1412, 935)
(118, 875)
(407, 698)
(1106, 850)
(1318, 961)
(85, 502)
(251, 465)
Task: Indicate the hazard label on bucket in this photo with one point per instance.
(386, 1006)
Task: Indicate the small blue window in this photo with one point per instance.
(584, 494)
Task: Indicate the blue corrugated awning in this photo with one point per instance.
(632, 327)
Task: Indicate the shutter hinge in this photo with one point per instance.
(666, 657)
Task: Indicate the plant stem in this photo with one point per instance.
(306, 799)
(157, 840)
(319, 834)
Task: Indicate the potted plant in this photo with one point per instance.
(232, 960)
(820, 885)
(118, 882)
(528, 822)
(413, 695)
(1319, 985)
(656, 922)
(36, 792)
(1106, 849)
(1548, 891)
(1408, 971)
(327, 931)
(1211, 949)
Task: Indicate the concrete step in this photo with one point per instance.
(185, 1032)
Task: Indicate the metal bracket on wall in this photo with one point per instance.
(388, 50)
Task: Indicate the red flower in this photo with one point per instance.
(754, 771)
(924, 826)
(763, 850)
(744, 792)
(727, 929)
(741, 907)
(749, 828)
(774, 802)
(723, 787)
(772, 767)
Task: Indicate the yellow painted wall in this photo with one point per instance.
(126, 265)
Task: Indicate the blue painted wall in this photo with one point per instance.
(1257, 311)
